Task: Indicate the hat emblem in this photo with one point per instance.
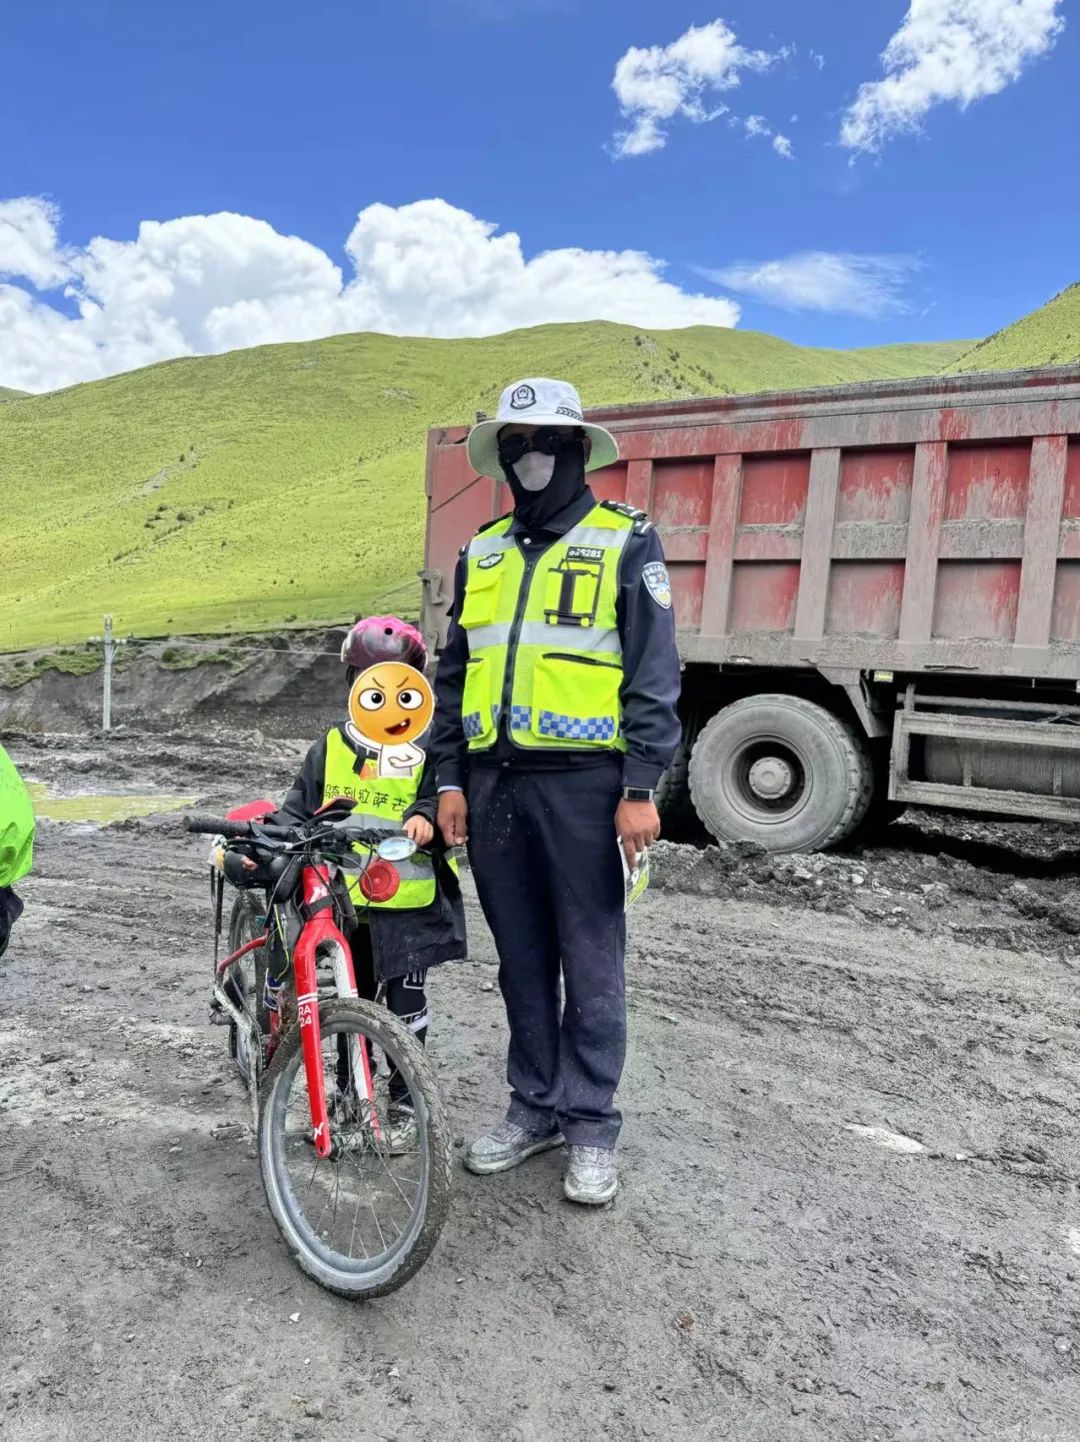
(523, 399)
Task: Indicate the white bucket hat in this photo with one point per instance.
(537, 402)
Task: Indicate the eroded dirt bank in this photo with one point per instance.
(776, 1267)
(184, 681)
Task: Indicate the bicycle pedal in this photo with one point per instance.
(217, 1014)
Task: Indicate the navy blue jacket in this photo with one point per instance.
(651, 681)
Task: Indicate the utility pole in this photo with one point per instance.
(109, 650)
(106, 694)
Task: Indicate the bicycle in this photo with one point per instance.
(359, 1207)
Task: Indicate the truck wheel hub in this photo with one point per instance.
(771, 778)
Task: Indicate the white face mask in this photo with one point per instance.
(535, 470)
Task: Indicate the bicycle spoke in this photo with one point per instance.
(394, 1179)
(352, 1239)
(318, 1160)
(379, 1229)
(337, 1188)
(318, 1224)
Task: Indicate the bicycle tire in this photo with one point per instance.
(381, 1027)
(246, 921)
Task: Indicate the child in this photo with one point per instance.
(375, 761)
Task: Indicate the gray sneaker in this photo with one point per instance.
(591, 1175)
(508, 1145)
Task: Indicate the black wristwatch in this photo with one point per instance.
(637, 793)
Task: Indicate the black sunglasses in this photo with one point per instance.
(549, 441)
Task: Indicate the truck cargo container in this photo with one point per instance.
(876, 587)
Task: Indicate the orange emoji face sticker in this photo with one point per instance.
(390, 704)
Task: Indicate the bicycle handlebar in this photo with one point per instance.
(245, 830)
(217, 826)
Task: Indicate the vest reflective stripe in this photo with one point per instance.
(481, 637)
(490, 544)
(560, 643)
(380, 802)
(585, 535)
(539, 633)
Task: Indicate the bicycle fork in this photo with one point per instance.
(321, 931)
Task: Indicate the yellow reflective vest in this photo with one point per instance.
(380, 803)
(544, 644)
(16, 824)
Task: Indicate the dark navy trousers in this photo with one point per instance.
(545, 860)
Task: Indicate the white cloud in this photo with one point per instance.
(28, 241)
(207, 283)
(870, 286)
(656, 84)
(948, 51)
(757, 125)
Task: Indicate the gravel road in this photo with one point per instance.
(850, 1202)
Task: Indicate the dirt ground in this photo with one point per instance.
(849, 1208)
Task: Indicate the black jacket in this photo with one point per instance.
(11, 908)
(401, 941)
(651, 685)
(406, 941)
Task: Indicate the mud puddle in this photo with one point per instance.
(101, 807)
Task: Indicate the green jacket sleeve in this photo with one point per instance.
(16, 824)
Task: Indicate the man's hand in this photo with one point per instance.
(453, 817)
(419, 829)
(637, 824)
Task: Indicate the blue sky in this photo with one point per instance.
(302, 117)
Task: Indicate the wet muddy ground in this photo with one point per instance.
(849, 1212)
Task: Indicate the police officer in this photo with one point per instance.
(555, 717)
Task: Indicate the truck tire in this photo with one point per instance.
(872, 830)
(780, 771)
(673, 792)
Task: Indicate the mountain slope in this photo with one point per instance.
(1048, 336)
(287, 482)
(6, 394)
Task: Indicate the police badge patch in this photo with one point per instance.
(523, 398)
(656, 578)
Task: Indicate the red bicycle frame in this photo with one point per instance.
(320, 932)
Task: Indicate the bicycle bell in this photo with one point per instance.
(396, 848)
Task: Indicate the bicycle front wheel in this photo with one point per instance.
(363, 1220)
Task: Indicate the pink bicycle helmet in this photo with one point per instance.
(382, 638)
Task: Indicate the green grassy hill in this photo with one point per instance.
(1048, 336)
(6, 394)
(286, 483)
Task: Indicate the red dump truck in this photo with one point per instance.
(877, 591)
